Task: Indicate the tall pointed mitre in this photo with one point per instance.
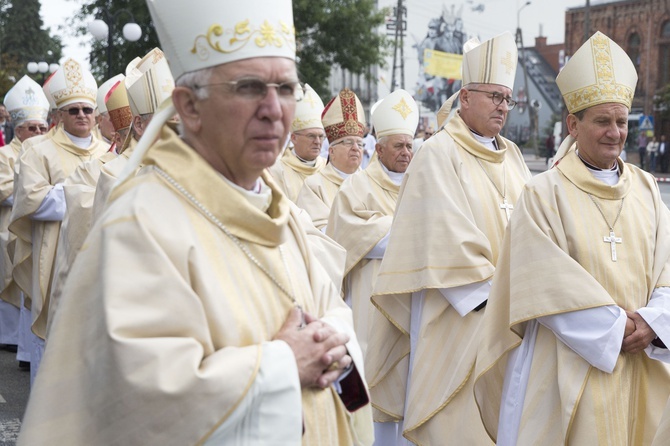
(26, 101)
(396, 114)
(103, 91)
(599, 72)
(73, 83)
(118, 106)
(149, 83)
(343, 116)
(308, 111)
(491, 62)
(47, 91)
(204, 33)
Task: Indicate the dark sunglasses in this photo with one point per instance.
(74, 111)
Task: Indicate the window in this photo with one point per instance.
(634, 49)
(664, 55)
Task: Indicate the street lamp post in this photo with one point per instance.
(42, 67)
(532, 112)
(104, 29)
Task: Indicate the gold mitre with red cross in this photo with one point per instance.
(599, 72)
(396, 114)
(73, 83)
(343, 116)
(118, 106)
(103, 91)
(308, 111)
(26, 101)
(199, 34)
(149, 83)
(491, 62)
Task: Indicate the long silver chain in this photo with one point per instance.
(236, 240)
(504, 191)
(611, 226)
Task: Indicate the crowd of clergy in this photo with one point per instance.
(199, 251)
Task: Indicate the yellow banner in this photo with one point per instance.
(441, 64)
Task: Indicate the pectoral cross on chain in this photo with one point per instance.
(507, 207)
(612, 240)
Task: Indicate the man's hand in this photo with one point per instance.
(640, 338)
(319, 350)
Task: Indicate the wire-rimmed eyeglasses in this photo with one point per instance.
(497, 98)
(256, 89)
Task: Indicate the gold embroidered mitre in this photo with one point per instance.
(205, 33)
(73, 83)
(599, 72)
(491, 62)
(308, 111)
(118, 106)
(26, 101)
(344, 116)
(396, 114)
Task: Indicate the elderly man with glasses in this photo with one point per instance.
(435, 277)
(301, 159)
(39, 203)
(203, 315)
(344, 124)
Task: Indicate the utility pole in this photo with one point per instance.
(397, 27)
(532, 112)
(587, 21)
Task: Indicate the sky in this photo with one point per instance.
(497, 16)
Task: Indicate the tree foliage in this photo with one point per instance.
(117, 13)
(23, 39)
(342, 32)
(662, 102)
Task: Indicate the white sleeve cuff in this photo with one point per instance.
(657, 315)
(53, 206)
(379, 249)
(466, 298)
(595, 334)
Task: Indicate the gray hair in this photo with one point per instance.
(383, 140)
(197, 81)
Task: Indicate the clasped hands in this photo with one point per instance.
(319, 350)
(637, 335)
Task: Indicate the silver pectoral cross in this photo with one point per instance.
(612, 240)
(507, 207)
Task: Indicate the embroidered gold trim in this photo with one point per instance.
(403, 108)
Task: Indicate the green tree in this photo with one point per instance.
(662, 102)
(118, 12)
(342, 32)
(23, 38)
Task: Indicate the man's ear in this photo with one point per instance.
(188, 107)
(571, 122)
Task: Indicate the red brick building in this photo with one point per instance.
(642, 29)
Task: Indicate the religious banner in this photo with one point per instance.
(441, 64)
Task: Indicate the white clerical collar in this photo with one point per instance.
(486, 141)
(609, 176)
(259, 197)
(396, 177)
(82, 143)
(340, 173)
(309, 163)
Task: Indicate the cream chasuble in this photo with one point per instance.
(446, 232)
(554, 260)
(47, 163)
(290, 173)
(173, 316)
(360, 217)
(663, 433)
(9, 291)
(109, 173)
(79, 190)
(318, 193)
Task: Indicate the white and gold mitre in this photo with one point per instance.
(103, 91)
(396, 114)
(491, 62)
(199, 34)
(73, 83)
(118, 106)
(308, 111)
(599, 72)
(26, 101)
(149, 82)
(344, 116)
(47, 92)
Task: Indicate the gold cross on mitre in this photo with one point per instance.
(402, 108)
(310, 100)
(507, 62)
